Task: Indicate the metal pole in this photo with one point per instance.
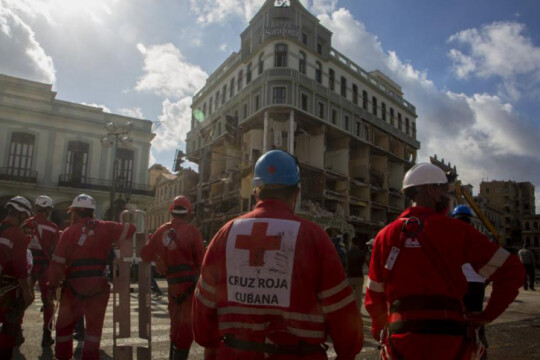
(112, 194)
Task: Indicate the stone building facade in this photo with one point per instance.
(351, 130)
(516, 200)
(53, 147)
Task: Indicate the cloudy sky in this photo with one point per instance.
(471, 68)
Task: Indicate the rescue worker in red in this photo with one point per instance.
(16, 291)
(416, 284)
(178, 250)
(43, 238)
(80, 260)
(272, 285)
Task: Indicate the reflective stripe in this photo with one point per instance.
(7, 242)
(336, 306)
(65, 338)
(205, 301)
(261, 311)
(494, 263)
(124, 232)
(334, 290)
(314, 334)
(46, 227)
(242, 325)
(59, 259)
(91, 338)
(35, 245)
(205, 286)
(375, 286)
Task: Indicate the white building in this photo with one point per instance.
(54, 148)
(287, 88)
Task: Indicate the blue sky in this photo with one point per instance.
(472, 68)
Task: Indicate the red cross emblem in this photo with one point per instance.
(257, 243)
(271, 169)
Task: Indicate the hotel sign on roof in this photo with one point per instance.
(282, 28)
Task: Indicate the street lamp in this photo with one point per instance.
(115, 135)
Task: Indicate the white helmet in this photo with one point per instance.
(424, 174)
(44, 201)
(83, 201)
(20, 203)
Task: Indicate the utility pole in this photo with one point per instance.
(115, 135)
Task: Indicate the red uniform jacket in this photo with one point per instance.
(43, 238)
(81, 254)
(13, 246)
(412, 271)
(181, 248)
(271, 276)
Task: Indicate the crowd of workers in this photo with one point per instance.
(270, 285)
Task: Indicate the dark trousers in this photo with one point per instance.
(474, 298)
(529, 269)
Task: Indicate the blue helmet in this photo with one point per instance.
(276, 167)
(462, 210)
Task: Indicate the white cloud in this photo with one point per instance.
(167, 73)
(176, 122)
(103, 107)
(219, 11)
(134, 112)
(21, 55)
(323, 6)
(463, 65)
(482, 134)
(152, 159)
(498, 49)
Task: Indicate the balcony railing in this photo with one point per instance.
(19, 175)
(69, 180)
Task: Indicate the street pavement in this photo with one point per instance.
(513, 336)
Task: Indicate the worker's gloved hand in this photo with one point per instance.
(476, 318)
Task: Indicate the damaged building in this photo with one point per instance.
(351, 130)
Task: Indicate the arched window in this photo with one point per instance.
(21, 152)
(261, 63)
(407, 125)
(76, 162)
(248, 73)
(318, 72)
(302, 62)
(280, 55)
(240, 79)
(364, 99)
(331, 79)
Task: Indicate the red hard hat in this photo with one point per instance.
(181, 205)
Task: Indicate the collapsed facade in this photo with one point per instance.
(353, 133)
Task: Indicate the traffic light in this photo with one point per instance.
(178, 160)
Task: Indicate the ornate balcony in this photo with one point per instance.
(68, 180)
(18, 175)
